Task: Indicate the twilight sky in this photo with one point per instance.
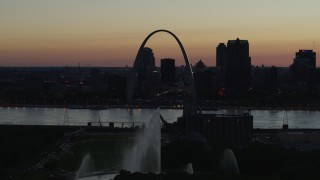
(109, 32)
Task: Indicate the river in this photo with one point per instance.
(61, 116)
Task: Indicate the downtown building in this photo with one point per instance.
(145, 64)
(265, 79)
(221, 54)
(235, 65)
(303, 70)
(206, 81)
(226, 129)
(168, 72)
(148, 80)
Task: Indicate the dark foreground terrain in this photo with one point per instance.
(55, 152)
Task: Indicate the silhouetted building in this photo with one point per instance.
(205, 84)
(271, 80)
(117, 86)
(145, 65)
(318, 77)
(154, 82)
(96, 82)
(303, 69)
(204, 80)
(265, 79)
(200, 66)
(168, 72)
(258, 78)
(238, 66)
(221, 54)
(217, 128)
(146, 59)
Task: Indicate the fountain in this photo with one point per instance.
(189, 168)
(145, 155)
(86, 166)
(229, 163)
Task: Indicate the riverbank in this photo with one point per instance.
(205, 108)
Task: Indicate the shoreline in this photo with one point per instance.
(124, 130)
(204, 108)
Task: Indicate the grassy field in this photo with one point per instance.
(106, 152)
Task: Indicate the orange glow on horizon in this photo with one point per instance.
(109, 33)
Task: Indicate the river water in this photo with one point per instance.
(62, 116)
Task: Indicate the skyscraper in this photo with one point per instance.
(146, 58)
(204, 80)
(238, 66)
(235, 65)
(168, 72)
(221, 54)
(200, 66)
(303, 67)
(145, 64)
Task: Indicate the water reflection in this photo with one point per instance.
(55, 116)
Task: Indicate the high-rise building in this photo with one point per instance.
(204, 80)
(145, 64)
(146, 58)
(303, 68)
(200, 66)
(271, 80)
(221, 54)
(265, 79)
(235, 65)
(168, 72)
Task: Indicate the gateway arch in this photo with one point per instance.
(132, 75)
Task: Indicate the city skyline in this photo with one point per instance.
(103, 33)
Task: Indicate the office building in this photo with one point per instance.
(235, 65)
(221, 54)
(216, 128)
(168, 72)
(146, 59)
(304, 66)
(145, 65)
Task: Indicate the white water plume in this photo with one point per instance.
(229, 163)
(86, 166)
(145, 155)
